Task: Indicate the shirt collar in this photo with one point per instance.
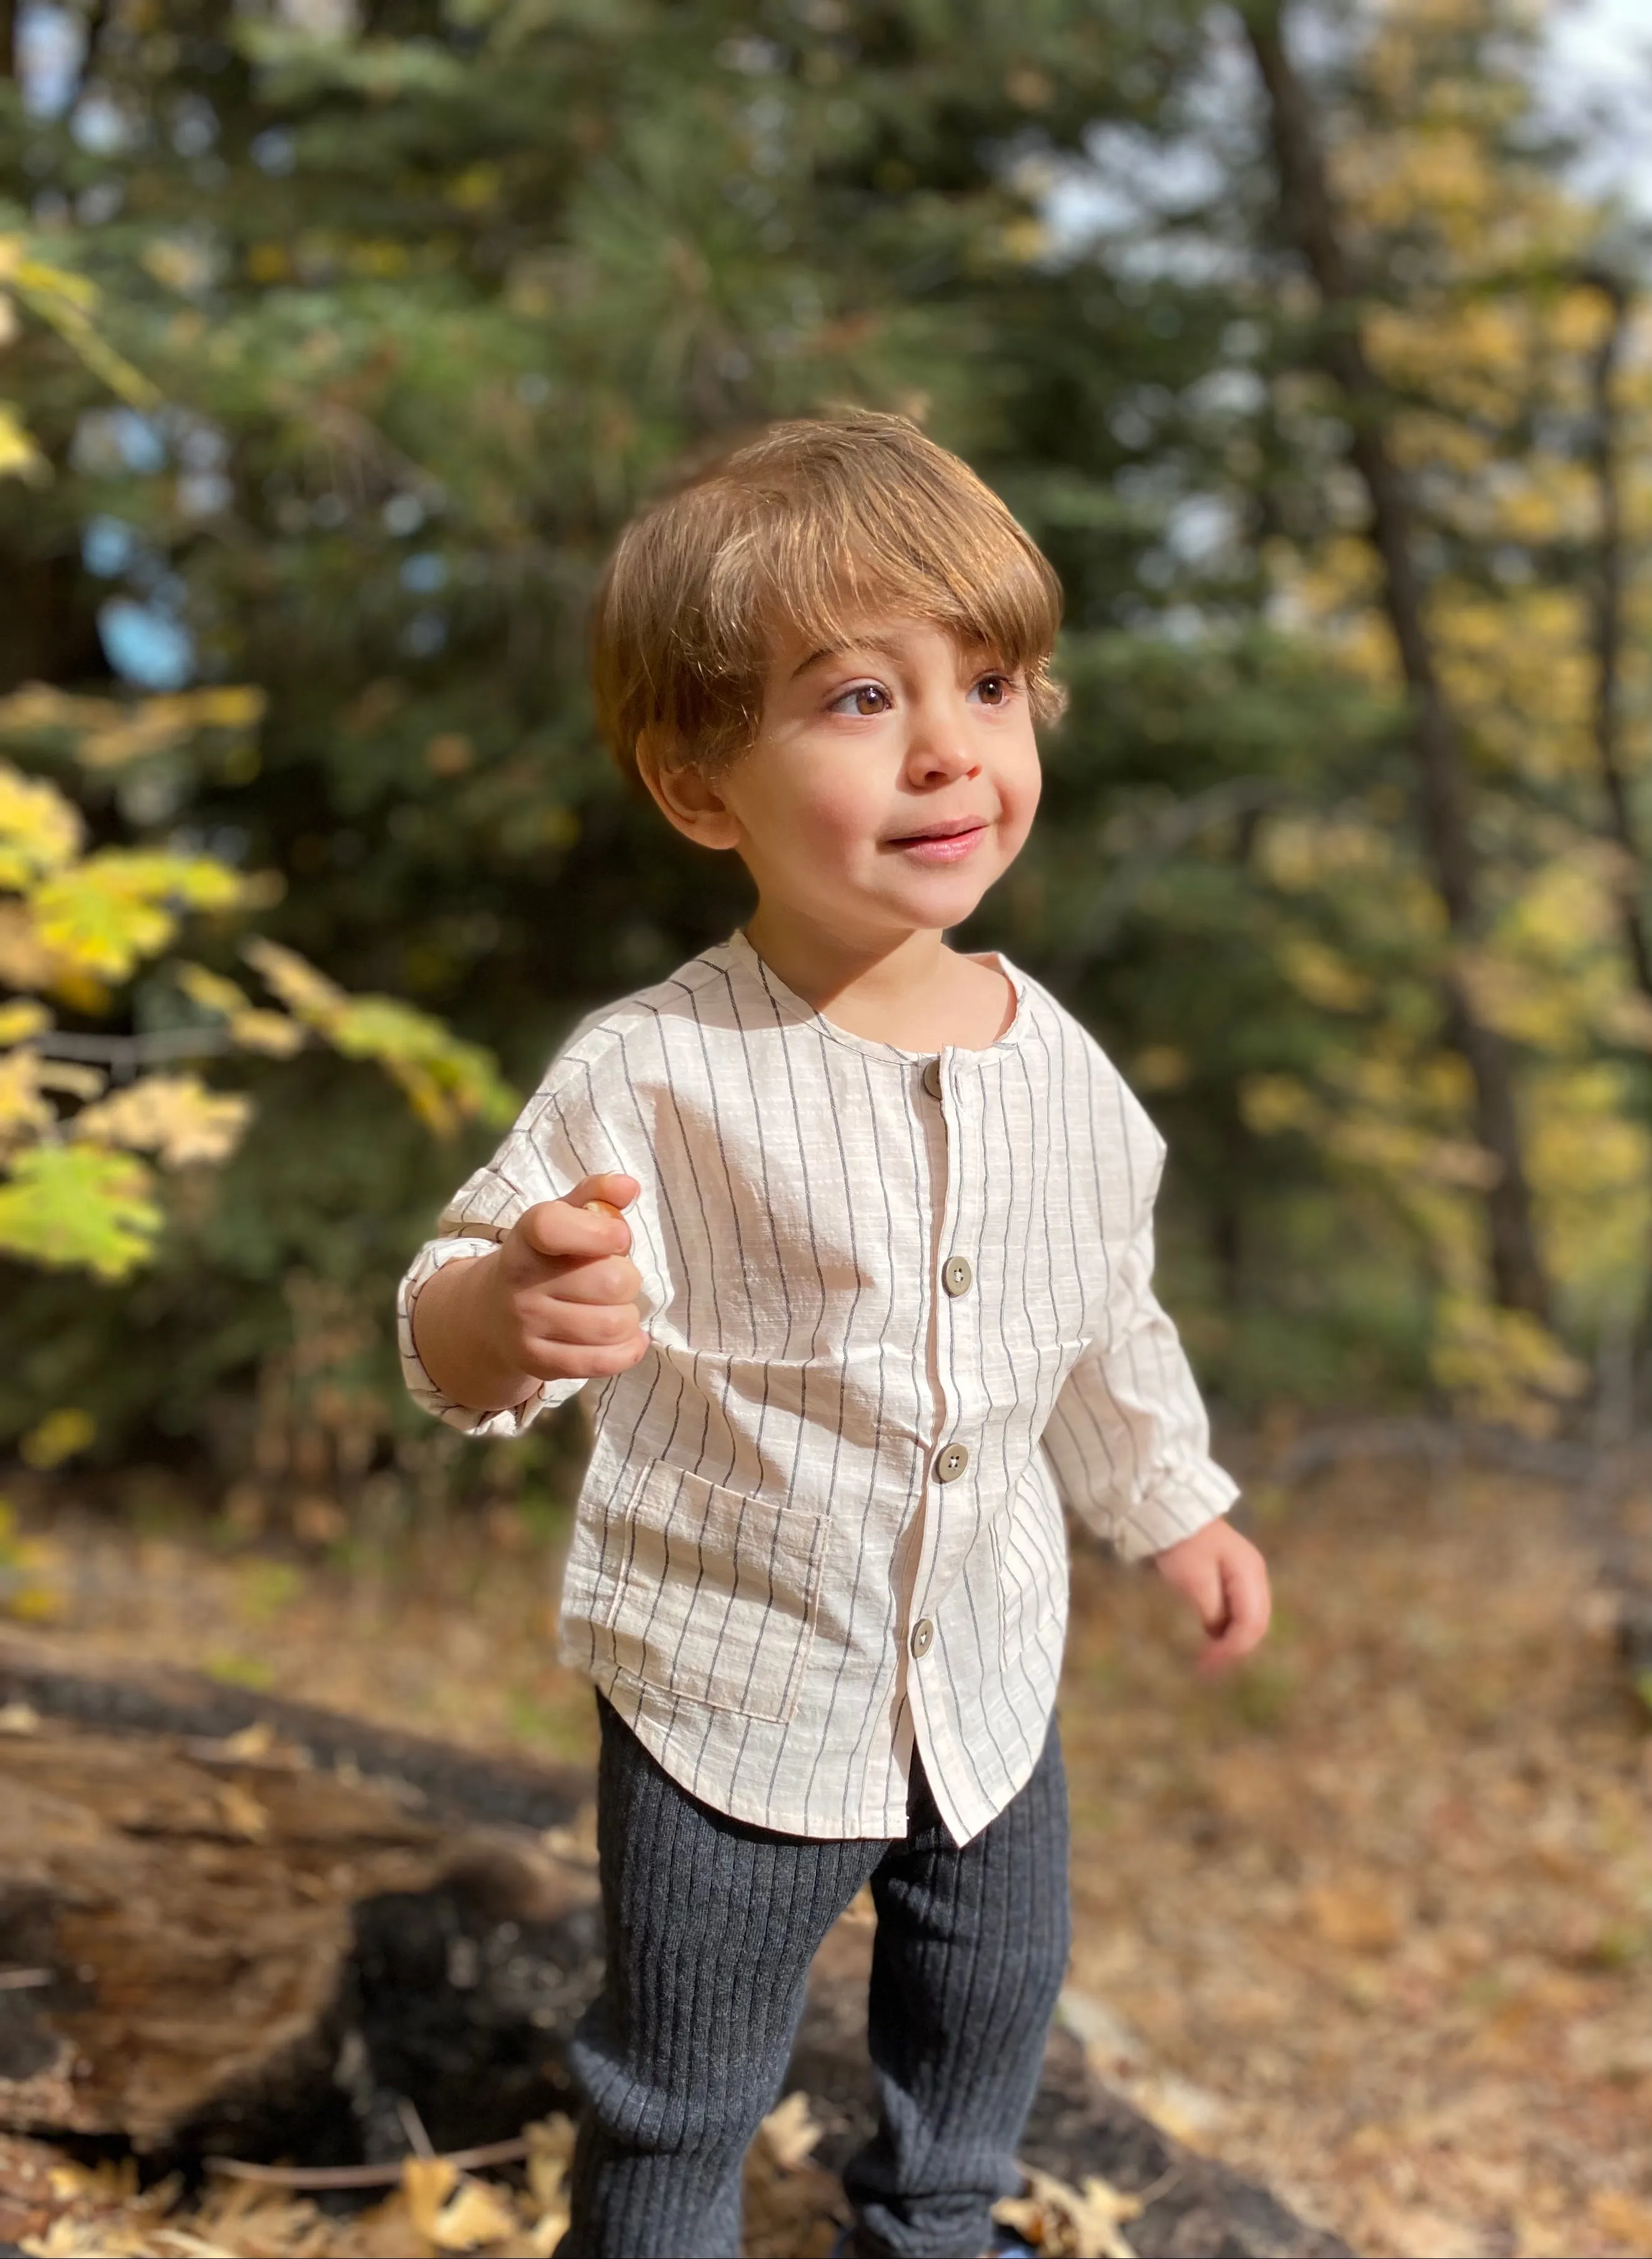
(745, 962)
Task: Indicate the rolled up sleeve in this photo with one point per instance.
(1129, 1438)
(572, 1127)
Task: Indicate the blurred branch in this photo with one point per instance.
(8, 38)
(1310, 218)
(125, 1055)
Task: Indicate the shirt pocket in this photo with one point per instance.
(715, 1593)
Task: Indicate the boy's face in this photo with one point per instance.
(893, 779)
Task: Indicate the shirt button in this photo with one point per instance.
(932, 1078)
(952, 1463)
(956, 1275)
(922, 1637)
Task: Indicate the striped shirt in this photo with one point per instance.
(899, 1308)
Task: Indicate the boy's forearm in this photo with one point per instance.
(451, 1339)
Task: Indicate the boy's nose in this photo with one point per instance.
(939, 755)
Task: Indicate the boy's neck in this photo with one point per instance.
(909, 990)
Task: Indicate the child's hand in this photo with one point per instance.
(561, 1296)
(1226, 1578)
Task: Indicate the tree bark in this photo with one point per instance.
(1311, 218)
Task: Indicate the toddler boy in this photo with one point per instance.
(881, 1300)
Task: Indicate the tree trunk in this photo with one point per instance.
(1443, 793)
(1605, 455)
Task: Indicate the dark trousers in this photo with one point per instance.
(711, 1926)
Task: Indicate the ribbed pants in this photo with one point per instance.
(710, 1928)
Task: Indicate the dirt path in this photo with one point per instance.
(1374, 1920)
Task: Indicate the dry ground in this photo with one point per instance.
(1374, 1919)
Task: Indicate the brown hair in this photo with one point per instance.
(808, 527)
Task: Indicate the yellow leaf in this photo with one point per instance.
(59, 1436)
(427, 2182)
(1086, 2223)
(121, 904)
(67, 1075)
(106, 733)
(174, 1116)
(65, 301)
(790, 2133)
(446, 1081)
(474, 2214)
(255, 1030)
(24, 962)
(23, 1113)
(306, 992)
(272, 1033)
(21, 1019)
(19, 456)
(39, 829)
(79, 1207)
(550, 2154)
(210, 990)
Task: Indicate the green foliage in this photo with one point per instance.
(78, 1206)
(355, 350)
(72, 1194)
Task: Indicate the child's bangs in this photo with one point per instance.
(829, 566)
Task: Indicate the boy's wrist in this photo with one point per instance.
(455, 1325)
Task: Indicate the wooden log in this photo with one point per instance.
(219, 1945)
(182, 1925)
(49, 1672)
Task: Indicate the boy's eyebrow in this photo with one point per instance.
(832, 650)
(883, 650)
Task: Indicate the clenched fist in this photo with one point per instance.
(557, 1300)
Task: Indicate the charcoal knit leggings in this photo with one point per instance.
(711, 1926)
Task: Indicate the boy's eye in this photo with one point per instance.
(865, 698)
(994, 689)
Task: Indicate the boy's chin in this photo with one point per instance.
(941, 903)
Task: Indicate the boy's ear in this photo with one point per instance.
(685, 794)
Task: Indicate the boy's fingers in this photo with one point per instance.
(612, 1190)
(607, 1323)
(609, 1278)
(1238, 1625)
(561, 1229)
(582, 1360)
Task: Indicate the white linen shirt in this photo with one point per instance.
(896, 1304)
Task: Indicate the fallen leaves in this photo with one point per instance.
(1086, 2223)
(1403, 1934)
(99, 2211)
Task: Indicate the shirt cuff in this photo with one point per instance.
(514, 1418)
(1182, 1502)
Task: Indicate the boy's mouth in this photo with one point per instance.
(947, 842)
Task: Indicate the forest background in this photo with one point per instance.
(337, 340)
